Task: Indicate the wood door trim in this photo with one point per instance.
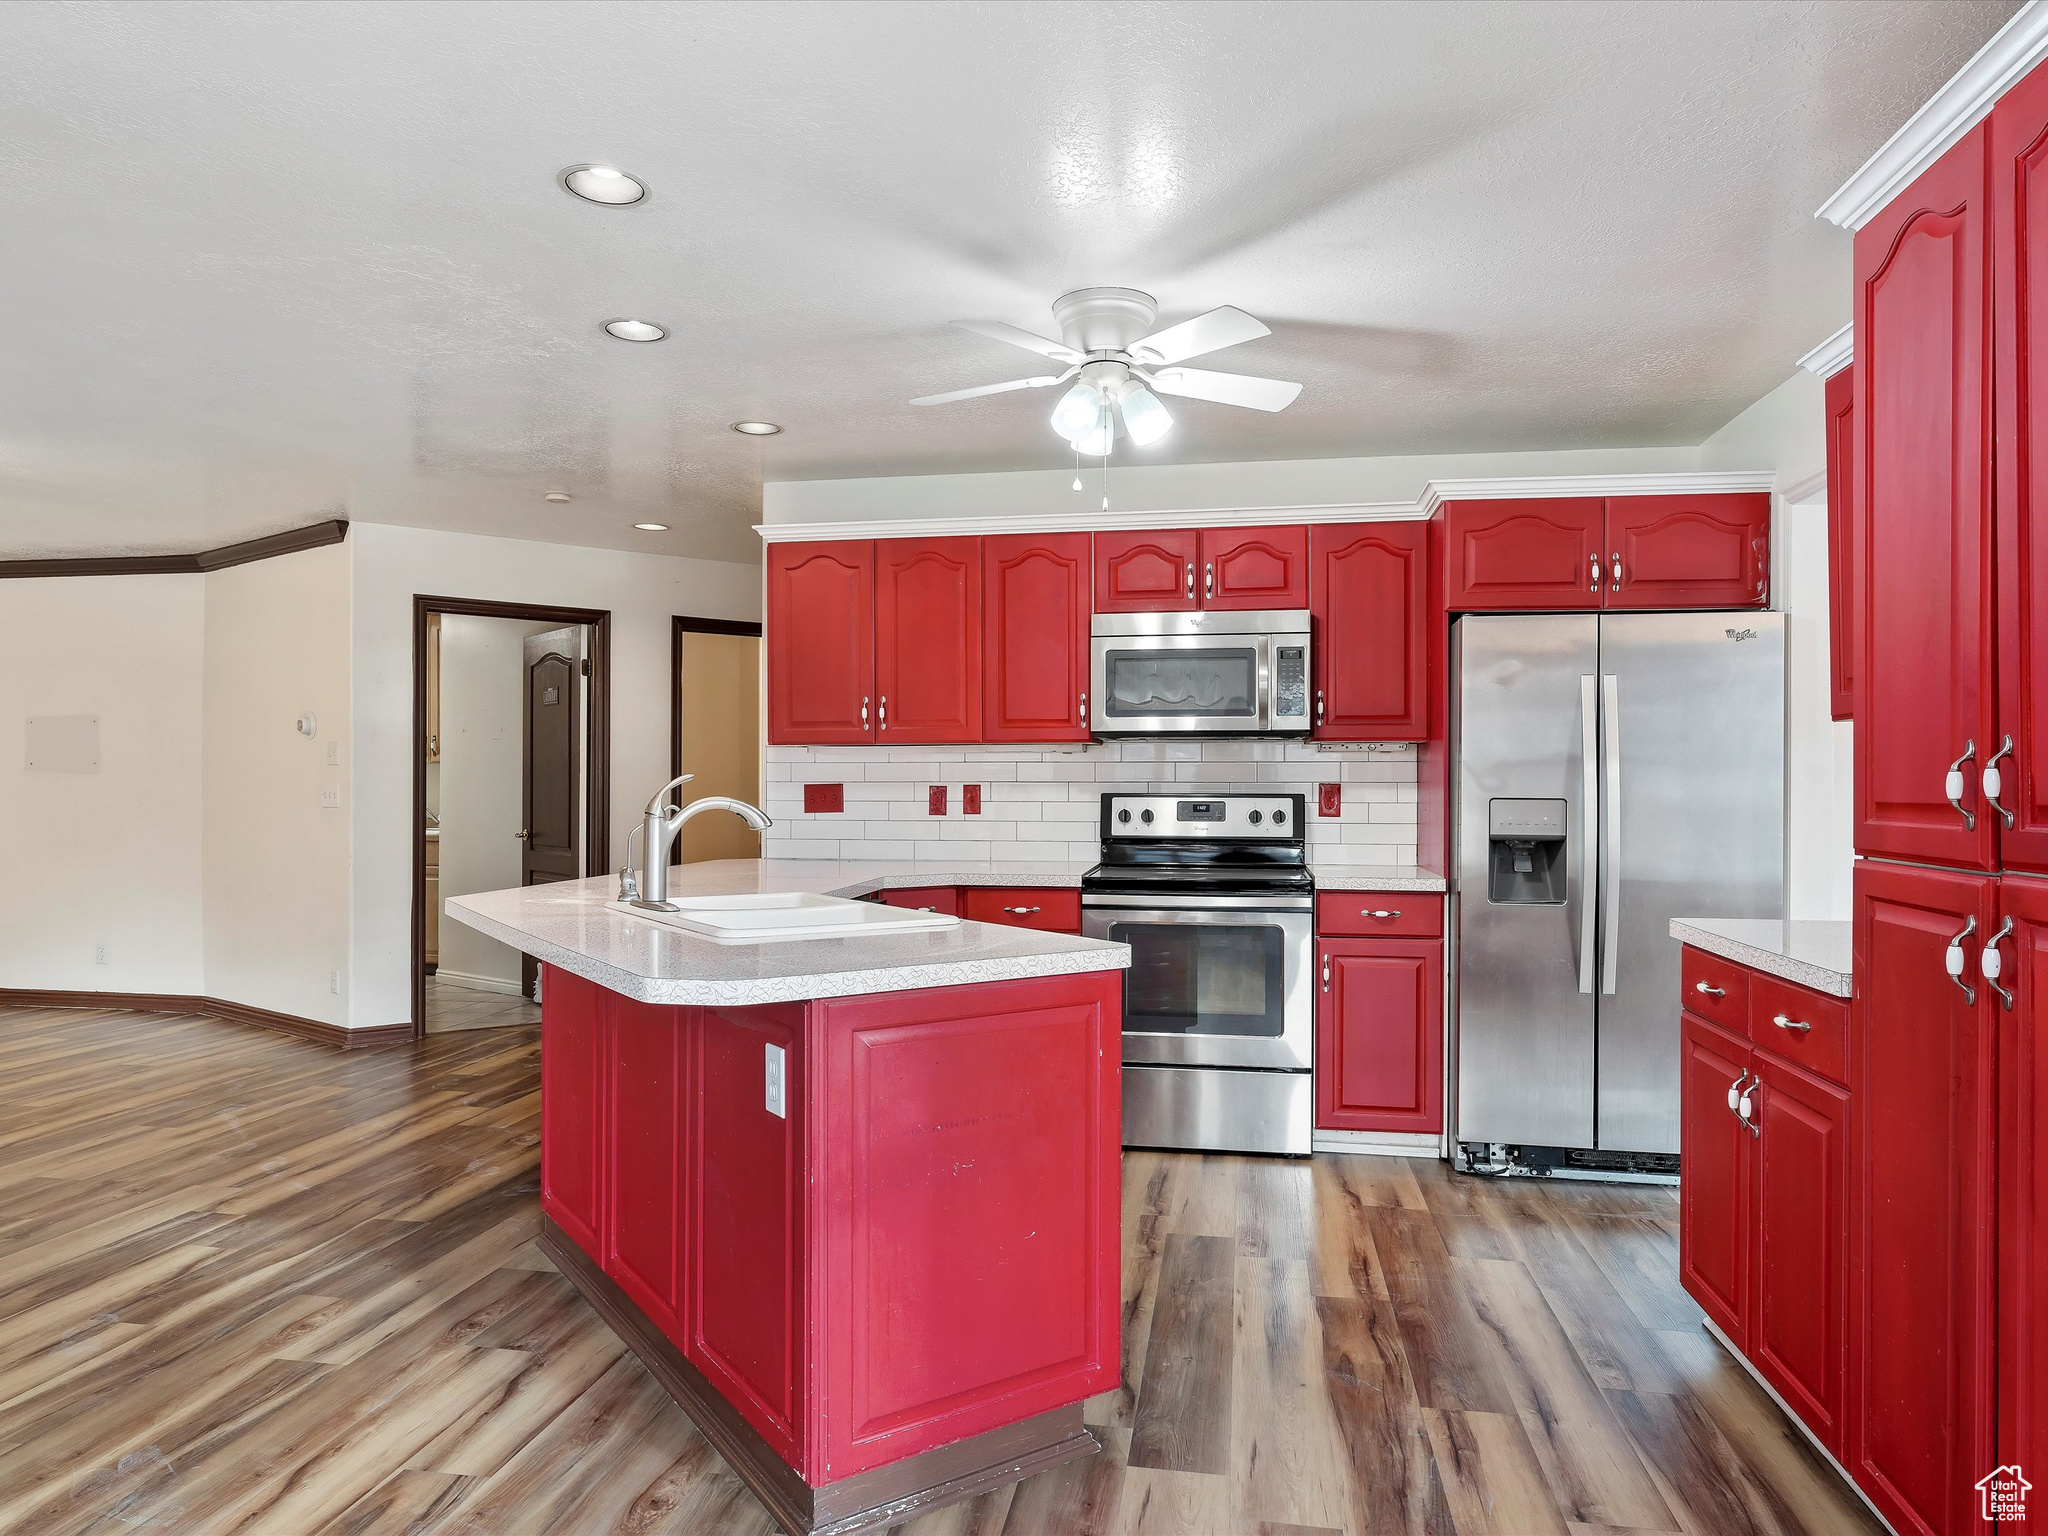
(336, 1035)
(597, 776)
(679, 626)
(290, 542)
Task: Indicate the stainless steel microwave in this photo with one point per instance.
(1200, 674)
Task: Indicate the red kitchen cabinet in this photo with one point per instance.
(1921, 1148)
(1370, 602)
(1379, 1035)
(821, 643)
(2023, 1178)
(645, 1212)
(927, 640)
(572, 1100)
(1254, 568)
(1537, 553)
(1841, 461)
(1050, 908)
(925, 898)
(1796, 1328)
(1035, 611)
(1714, 1227)
(1153, 571)
(1921, 487)
(1688, 551)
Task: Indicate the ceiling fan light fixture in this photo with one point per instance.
(1078, 411)
(1096, 442)
(1144, 417)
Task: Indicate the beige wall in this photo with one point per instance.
(720, 704)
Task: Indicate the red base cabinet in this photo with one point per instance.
(1713, 1227)
(1379, 1035)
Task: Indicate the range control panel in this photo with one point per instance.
(1264, 818)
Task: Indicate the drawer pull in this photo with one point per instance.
(1379, 912)
(1782, 1022)
(1706, 991)
(1022, 911)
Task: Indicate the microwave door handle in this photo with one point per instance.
(1589, 813)
(1610, 863)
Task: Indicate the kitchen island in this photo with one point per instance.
(853, 1201)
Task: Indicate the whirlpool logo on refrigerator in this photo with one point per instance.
(1740, 634)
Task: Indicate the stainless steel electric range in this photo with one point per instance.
(1213, 894)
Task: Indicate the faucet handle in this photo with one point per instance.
(629, 888)
(681, 778)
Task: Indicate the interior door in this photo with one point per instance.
(1369, 598)
(1692, 823)
(1034, 644)
(552, 733)
(927, 640)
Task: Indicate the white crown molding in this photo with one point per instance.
(1434, 495)
(1948, 114)
(1832, 355)
(1808, 488)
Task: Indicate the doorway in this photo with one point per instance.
(715, 731)
(511, 779)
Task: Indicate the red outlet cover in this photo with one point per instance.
(935, 800)
(824, 797)
(1329, 799)
(970, 799)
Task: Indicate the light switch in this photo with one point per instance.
(773, 1074)
(334, 754)
(330, 797)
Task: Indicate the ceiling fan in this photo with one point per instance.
(1118, 362)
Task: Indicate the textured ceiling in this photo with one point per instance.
(265, 263)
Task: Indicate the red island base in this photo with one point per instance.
(879, 1285)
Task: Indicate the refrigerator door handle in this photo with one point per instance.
(1589, 811)
(1610, 860)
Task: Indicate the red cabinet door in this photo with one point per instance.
(1369, 597)
(1154, 571)
(1921, 1142)
(927, 640)
(1842, 645)
(820, 634)
(1379, 1035)
(574, 1015)
(1688, 551)
(2023, 1179)
(1035, 637)
(1921, 488)
(1245, 568)
(646, 1214)
(2019, 254)
(925, 898)
(1052, 909)
(1797, 1322)
(1713, 1195)
(1508, 555)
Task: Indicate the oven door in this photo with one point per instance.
(1215, 981)
(1151, 685)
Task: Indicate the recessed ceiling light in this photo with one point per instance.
(634, 330)
(558, 497)
(756, 428)
(603, 184)
(652, 527)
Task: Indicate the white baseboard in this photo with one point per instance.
(480, 983)
(1378, 1143)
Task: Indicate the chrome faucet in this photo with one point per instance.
(659, 828)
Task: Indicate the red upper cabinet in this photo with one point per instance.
(1713, 1233)
(1244, 568)
(1380, 1035)
(1369, 594)
(821, 642)
(1525, 554)
(1154, 571)
(1921, 488)
(1035, 637)
(1842, 643)
(927, 640)
(2023, 1180)
(1688, 551)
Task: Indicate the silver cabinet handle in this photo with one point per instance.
(1326, 973)
(1191, 578)
(1209, 579)
(1735, 1092)
(1992, 964)
(1617, 570)
(1706, 991)
(1379, 912)
(1319, 706)
(1610, 731)
(1738, 1099)
(863, 711)
(1589, 803)
(1022, 911)
(1994, 786)
(1594, 584)
(1953, 960)
(882, 711)
(1783, 1022)
(1084, 709)
(1954, 785)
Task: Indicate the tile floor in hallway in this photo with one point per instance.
(248, 1283)
(454, 1005)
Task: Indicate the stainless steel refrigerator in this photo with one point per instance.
(1614, 771)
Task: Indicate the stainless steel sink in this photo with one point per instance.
(764, 918)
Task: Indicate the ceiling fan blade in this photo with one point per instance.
(1226, 388)
(1219, 328)
(1044, 346)
(987, 389)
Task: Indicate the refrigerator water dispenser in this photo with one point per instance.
(1526, 862)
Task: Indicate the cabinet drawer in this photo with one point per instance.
(1715, 989)
(1056, 911)
(1822, 1047)
(925, 898)
(1386, 914)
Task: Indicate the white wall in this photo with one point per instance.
(275, 860)
(112, 856)
(390, 565)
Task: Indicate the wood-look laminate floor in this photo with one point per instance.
(251, 1284)
(454, 1005)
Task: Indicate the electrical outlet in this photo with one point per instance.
(334, 982)
(334, 754)
(970, 799)
(935, 800)
(99, 953)
(772, 1071)
(330, 797)
(1329, 799)
(824, 799)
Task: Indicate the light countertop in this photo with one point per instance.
(1392, 877)
(1814, 955)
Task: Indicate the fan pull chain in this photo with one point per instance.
(1077, 469)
